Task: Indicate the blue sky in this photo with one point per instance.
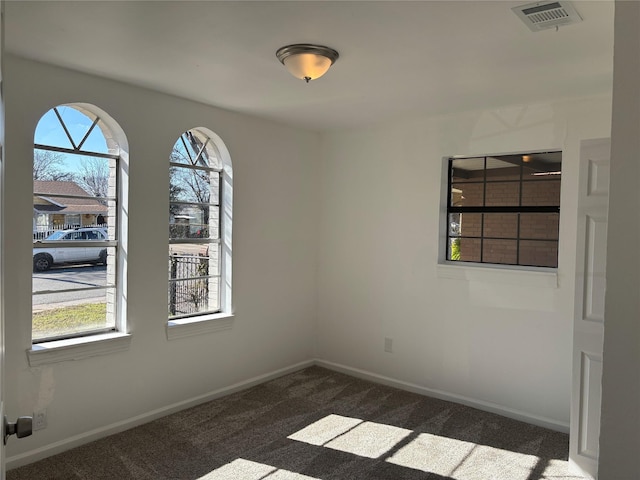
(50, 132)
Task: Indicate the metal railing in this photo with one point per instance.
(188, 284)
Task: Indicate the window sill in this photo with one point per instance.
(77, 348)
(514, 275)
(189, 327)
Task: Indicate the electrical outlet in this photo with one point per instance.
(39, 420)
(388, 345)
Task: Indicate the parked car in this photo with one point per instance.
(47, 255)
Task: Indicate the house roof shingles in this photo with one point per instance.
(66, 205)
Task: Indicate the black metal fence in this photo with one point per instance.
(188, 284)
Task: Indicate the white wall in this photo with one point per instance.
(506, 341)
(620, 419)
(275, 242)
(364, 215)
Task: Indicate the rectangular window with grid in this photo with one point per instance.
(504, 209)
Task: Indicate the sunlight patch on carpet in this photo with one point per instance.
(444, 456)
(461, 460)
(352, 435)
(369, 439)
(248, 470)
(556, 469)
(325, 429)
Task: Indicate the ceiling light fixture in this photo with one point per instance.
(305, 61)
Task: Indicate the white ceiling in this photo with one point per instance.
(397, 58)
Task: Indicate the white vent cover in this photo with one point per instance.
(542, 15)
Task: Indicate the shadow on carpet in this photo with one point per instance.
(317, 424)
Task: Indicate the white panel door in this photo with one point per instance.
(588, 325)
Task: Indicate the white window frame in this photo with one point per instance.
(444, 210)
(92, 343)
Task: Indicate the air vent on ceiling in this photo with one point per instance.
(542, 15)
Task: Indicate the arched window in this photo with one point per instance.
(200, 213)
(79, 152)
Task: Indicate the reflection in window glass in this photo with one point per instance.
(504, 209)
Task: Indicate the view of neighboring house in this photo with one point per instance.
(64, 204)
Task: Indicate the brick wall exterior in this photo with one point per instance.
(538, 231)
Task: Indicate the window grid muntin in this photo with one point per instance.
(482, 210)
(214, 239)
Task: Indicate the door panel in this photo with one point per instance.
(588, 325)
(2, 412)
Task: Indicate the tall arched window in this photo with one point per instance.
(79, 152)
(200, 214)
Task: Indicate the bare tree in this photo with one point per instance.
(47, 165)
(175, 190)
(93, 176)
(191, 185)
(193, 182)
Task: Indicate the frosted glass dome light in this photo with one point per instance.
(307, 62)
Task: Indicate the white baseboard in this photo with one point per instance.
(470, 402)
(34, 455)
(31, 456)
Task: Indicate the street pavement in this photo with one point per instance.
(67, 278)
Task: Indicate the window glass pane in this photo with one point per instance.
(539, 225)
(68, 308)
(454, 224)
(63, 319)
(499, 251)
(467, 170)
(539, 253)
(195, 148)
(89, 174)
(505, 172)
(181, 153)
(193, 296)
(51, 132)
(96, 142)
(193, 279)
(471, 224)
(501, 225)
(541, 193)
(502, 193)
(467, 194)
(469, 249)
(454, 249)
(193, 185)
(537, 176)
(193, 221)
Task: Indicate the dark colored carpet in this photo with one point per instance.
(340, 428)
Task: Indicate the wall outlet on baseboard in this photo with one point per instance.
(388, 345)
(39, 420)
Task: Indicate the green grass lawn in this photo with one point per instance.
(76, 318)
